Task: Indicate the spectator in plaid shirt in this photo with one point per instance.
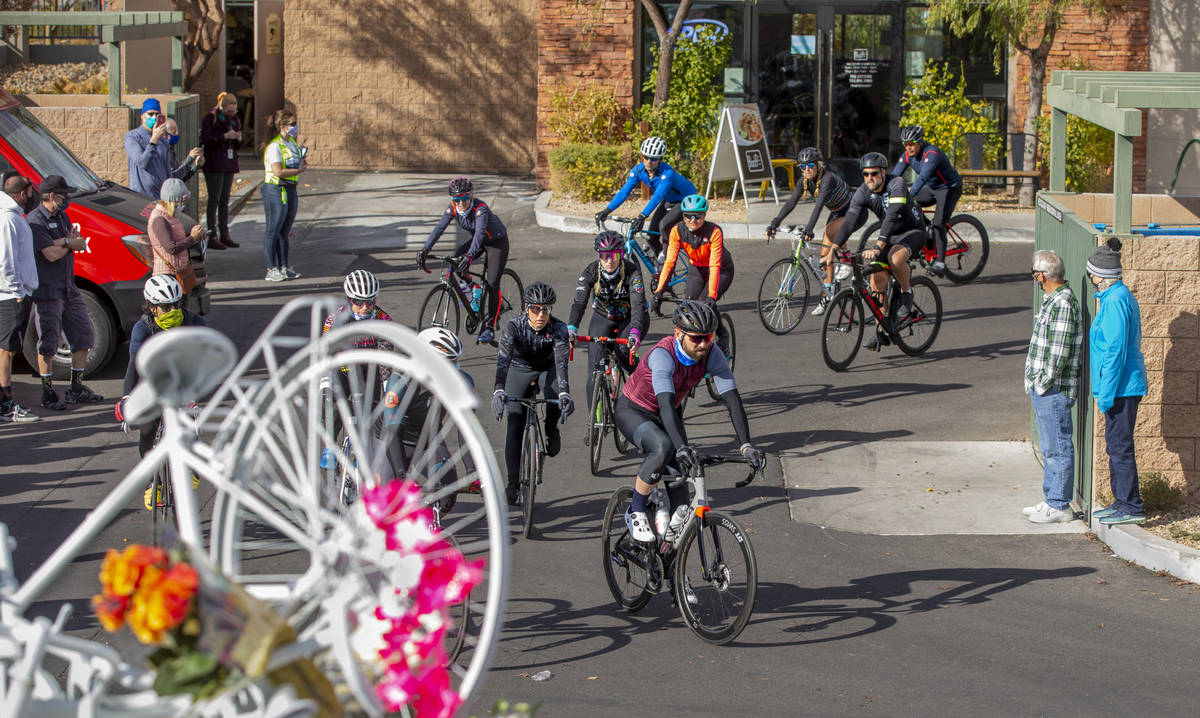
(1052, 370)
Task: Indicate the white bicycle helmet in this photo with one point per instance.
(654, 148)
(162, 289)
(361, 284)
(444, 340)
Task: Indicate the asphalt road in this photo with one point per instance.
(845, 623)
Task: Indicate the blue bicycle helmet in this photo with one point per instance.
(694, 203)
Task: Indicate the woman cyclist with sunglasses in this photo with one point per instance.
(710, 271)
(832, 193)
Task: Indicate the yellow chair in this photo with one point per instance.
(789, 166)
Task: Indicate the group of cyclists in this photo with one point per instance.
(534, 346)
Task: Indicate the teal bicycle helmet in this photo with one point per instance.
(694, 203)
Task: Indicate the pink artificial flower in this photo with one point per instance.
(389, 502)
(435, 698)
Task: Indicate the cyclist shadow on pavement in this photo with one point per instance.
(768, 402)
(866, 605)
(571, 518)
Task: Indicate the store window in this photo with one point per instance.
(730, 16)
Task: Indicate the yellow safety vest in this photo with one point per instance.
(291, 161)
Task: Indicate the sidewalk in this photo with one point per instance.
(1001, 227)
(926, 488)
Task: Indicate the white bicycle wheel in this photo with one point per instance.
(289, 535)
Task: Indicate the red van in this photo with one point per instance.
(111, 270)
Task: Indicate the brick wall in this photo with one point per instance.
(96, 135)
(1119, 42)
(580, 44)
(1164, 275)
(434, 85)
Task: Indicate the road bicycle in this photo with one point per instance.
(966, 245)
(533, 453)
(726, 338)
(783, 294)
(608, 380)
(703, 557)
(458, 294)
(634, 248)
(845, 320)
(276, 528)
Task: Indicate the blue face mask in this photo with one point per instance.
(682, 356)
(172, 139)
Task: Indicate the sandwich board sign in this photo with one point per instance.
(741, 151)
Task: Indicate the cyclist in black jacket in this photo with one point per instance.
(531, 346)
(903, 231)
(937, 183)
(618, 304)
(831, 193)
(486, 233)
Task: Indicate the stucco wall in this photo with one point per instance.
(95, 134)
(414, 84)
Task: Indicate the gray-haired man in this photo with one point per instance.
(1052, 369)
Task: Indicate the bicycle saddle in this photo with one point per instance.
(179, 367)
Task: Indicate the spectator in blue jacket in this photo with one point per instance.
(669, 189)
(1118, 372)
(150, 149)
(937, 183)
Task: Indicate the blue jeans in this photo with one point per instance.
(1053, 413)
(280, 216)
(1122, 467)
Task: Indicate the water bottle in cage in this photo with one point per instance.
(465, 287)
(662, 512)
(476, 296)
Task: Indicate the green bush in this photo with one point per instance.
(1089, 154)
(588, 171)
(1158, 494)
(937, 102)
(688, 119)
(589, 115)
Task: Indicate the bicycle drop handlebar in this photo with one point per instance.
(716, 460)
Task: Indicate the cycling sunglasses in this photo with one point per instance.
(538, 309)
(807, 165)
(609, 256)
(461, 198)
(693, 217)
(872, 173)
(362, 302)
(699, 338)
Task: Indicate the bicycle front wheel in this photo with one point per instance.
(966, 248)
(627, 563)
(162, 503)
(916, 333)
(440, 309)
(531, 469)
(598, 422)
(730, 349)
(783, 296)
(842, 332)
(511, 297)
(716, 578)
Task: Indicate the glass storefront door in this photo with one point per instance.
(827, 77)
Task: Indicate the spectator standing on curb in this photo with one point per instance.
(18, 280)
(284, 161)
(1052, 369)
(221, 136)
(1118, 375)
(60, 308)
(150, 151)
(168, 242)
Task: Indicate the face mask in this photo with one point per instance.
(293, 131)
(172, 139)
(151, 122)
(359, 316)
(30, 203)
(64, 203)
(170, 319)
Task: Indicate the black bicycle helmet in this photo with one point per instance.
(695, 317)
(809, 154)
(539, 293)
(609, 241)
(912, 133)
(872, 159)
(460, 186)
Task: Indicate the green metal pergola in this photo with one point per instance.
(1113, 100)
(115, 28)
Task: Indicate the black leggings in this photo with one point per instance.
(602, 326)
(665, 216)
(497, 258)
(946, 198)
(646, 431)
(219, 185)
(520, 383)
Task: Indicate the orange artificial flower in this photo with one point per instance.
(121, 573)
(147, 626)
(162, 601)
(111, 611)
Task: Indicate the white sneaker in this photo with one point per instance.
(821, 305)
(1049, 515)
(274, 274)
(639, 527)
(1030, 510)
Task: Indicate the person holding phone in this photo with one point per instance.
(221, 137)
(284, 160)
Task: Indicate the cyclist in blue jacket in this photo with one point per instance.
(937, 182)
(669, 187)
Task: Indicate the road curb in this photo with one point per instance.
(551, 219)
(1133, 543)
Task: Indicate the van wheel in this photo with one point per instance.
(104, 328)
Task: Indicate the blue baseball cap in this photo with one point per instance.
(150, 104)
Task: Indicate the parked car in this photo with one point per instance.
(112, 268)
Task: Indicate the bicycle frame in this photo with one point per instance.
(699, 503)
(451, 274)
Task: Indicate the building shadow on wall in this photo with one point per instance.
(1181, 373)
(462, 88)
